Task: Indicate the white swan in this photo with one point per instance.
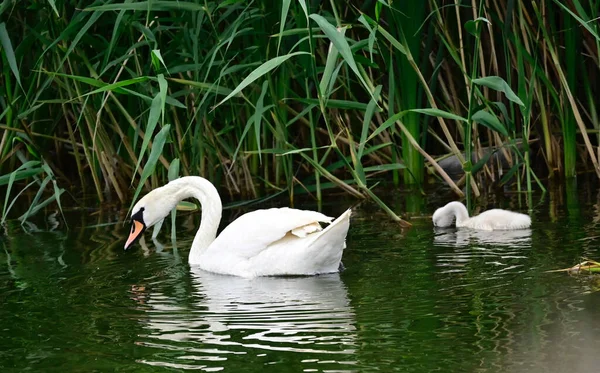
(276, 241)
(495, 219)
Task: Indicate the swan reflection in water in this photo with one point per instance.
(463, 236)
(502, 251)
(225, 316)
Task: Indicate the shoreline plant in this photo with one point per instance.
(116, 97)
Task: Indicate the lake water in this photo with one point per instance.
(420, 300)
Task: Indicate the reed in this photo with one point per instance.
(293, 97)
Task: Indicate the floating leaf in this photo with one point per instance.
(588, 266)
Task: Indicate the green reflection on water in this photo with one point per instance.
(419, 300)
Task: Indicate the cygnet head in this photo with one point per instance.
(148, 211)
(442, 220)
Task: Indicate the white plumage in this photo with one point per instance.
(495, 219)
(270, 242)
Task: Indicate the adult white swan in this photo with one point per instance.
(495, 219)
(271, 242)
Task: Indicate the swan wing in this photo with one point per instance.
(254, 231)
(497, 219)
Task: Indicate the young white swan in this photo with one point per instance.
(277, 241)
(495, 219)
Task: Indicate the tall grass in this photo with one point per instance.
(293, 97)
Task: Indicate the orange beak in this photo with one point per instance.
(137, 229)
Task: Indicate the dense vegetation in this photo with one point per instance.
(266, 97)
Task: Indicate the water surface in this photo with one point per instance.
(412, 301)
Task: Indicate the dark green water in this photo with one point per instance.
(415, 301)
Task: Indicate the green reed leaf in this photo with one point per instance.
(208, 87)
(157, 147)
(24, 171)
(336, 104)
(113, 86)
(285, 7)
(489, 120)
(155, 111)
(157, 60)
(258, 72)
(499, 84)
(328, 76)
(34, 203)
(53, 5)
(341, 44)
(9, 52)
(154, 5)
(471, 26)
(162, 84)
(385, 167)
(367, 121)
(258, 114)
(439, 113)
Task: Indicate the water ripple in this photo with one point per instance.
(466, 237)
(501, 252)
(225, 316)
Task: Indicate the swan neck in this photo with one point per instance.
(460, 212)
(212, 208)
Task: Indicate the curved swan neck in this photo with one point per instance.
(460, 212)
(203, 190)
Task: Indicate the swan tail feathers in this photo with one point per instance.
(328, 245)
(305, 230)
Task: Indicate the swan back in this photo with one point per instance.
(498, 219)
(252, 232)
(316, 253)
(278, 242)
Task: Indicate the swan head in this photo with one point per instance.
(148, 211)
